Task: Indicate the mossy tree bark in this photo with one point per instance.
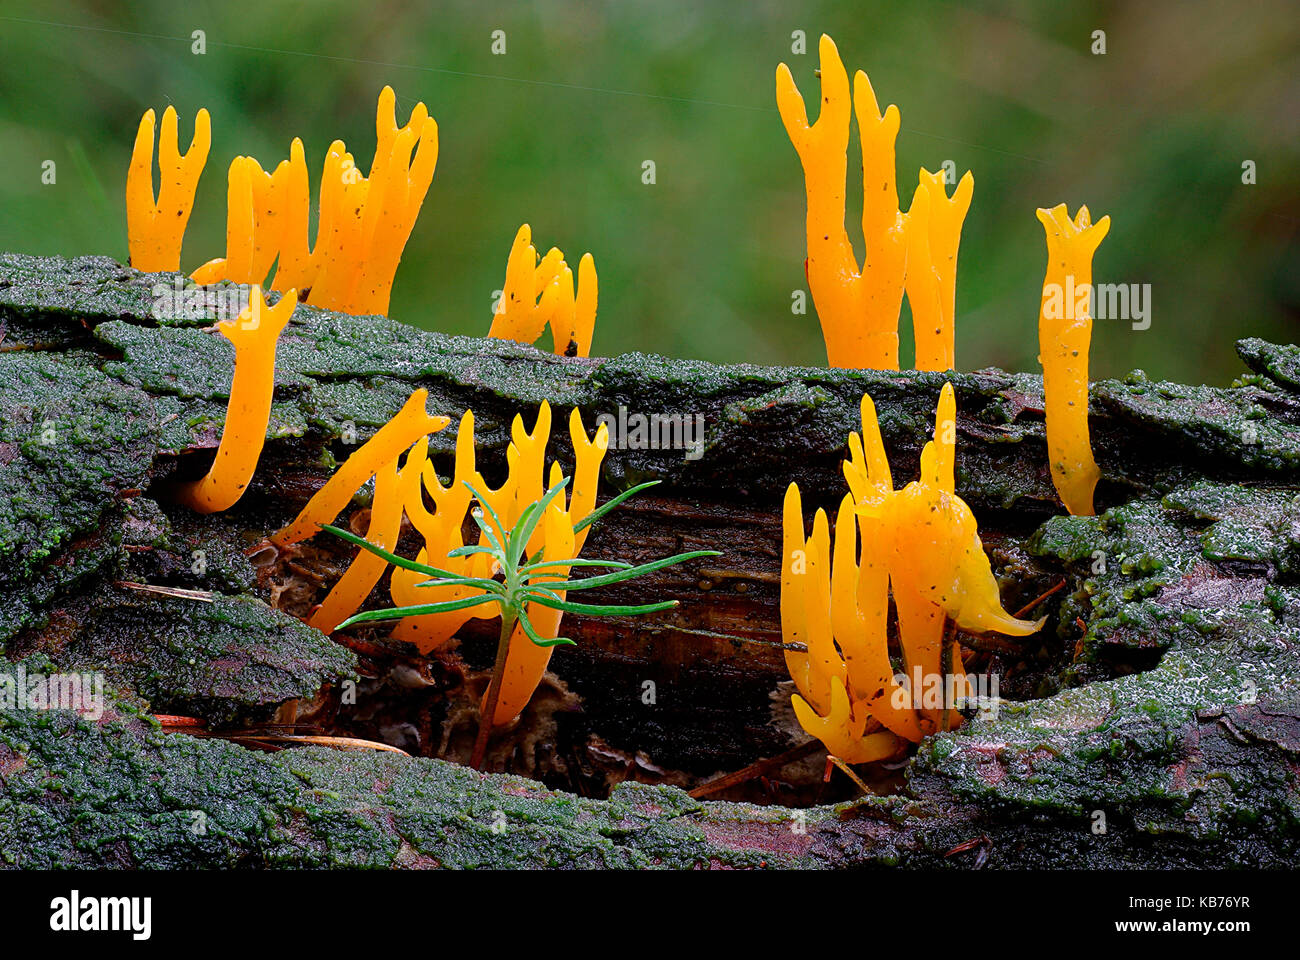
(1161, 701)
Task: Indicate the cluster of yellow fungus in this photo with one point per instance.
(401, 492)
(541, 293)
(922, 541)
(858, 307)
(554, 536)
(155, 229)
(364, 221)
(1064, 336)
(254, 335)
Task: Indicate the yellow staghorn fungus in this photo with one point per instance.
(820, 608)
(934, 236)
(296, 266)
(408, 425)
(1064, 336)
(364, 222)
(441, 531)
(527, 548)
(385, 524)
(843, 734)
(155, 230)
(526, 456)
(254, 223)
(541, 293)
(254, 336)
(343, 194)
(398, 185)
(939, 569)
(858, 308)
(921, 540)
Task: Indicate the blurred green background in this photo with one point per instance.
(703, 263)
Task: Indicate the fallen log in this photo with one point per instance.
(1154, 722)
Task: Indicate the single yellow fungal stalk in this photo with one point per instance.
(254, 336)
(441, 531)
(297, 266)
(934, 236)
(155, 230)
(351, 589)
(857, 308)
(537, 294)
(1064, 336)
(408, 425)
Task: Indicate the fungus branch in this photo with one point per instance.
(1064, 336)
(254, 335)
(541, 293)
(155, 230)
(858, 307)
(365, 221)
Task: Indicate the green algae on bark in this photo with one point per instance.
(71, 442)
(120, 793)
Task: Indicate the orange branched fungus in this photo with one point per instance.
(933, 236)
(834, 602)
(366, 568)
(1064, 335)
(858, 308)
(441, 531)
(154, 230)
(939, 569)
(365, 221)
(254, 335)
(823, 606)
(536, 294)
(409, 424)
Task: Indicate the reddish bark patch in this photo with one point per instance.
(774, 838)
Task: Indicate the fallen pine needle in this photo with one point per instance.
(204, 596)
(337, 743)
(848, 772)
